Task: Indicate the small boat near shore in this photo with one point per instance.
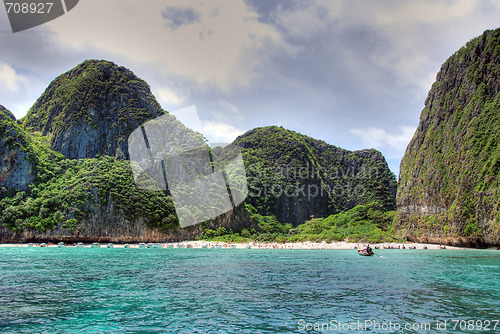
(365, 252)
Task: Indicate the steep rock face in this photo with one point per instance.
(15, 166)
(295, 177)
(449, 180)
(91, 109)
(107, 223)
(87, 115)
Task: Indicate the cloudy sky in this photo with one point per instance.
(354, 73)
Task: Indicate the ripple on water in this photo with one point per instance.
(245, 291)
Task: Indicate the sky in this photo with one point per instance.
(354, 73)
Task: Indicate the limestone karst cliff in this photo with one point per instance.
(16, 165)
(91, 109)
(66, 174)
(449, 180)
(294, 177)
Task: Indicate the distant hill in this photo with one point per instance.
(295, 177)
(449, 188)
(91, 109)
(68, 177)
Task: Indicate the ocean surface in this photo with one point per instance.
(115, 290)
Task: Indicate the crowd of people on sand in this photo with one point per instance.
(254, 245)
(304, 245)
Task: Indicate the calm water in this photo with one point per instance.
(100, 290)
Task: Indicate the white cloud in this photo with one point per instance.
(19, 109)
(222, 46)
(425, 12)
(168, 97)
(18, 92)
(189, 117)
(219, 132)
(216, 131)
(381, 139)
(9, 79)
(404, 39)
(405, 28)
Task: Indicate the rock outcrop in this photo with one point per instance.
(107, 223)
(75, 138)
(295, 177)
(16, 167)
(449, 188)
(91, 109)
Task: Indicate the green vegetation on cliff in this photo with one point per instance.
(449, 180)
(363, 223)
(79, 187)
(90, 85)
(71, 177)
(293, 177)
(11, 133)
(91, 109)
(24, 157)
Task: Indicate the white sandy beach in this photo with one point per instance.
(252, 245)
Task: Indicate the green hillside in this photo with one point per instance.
(449, 181)
(66, 174)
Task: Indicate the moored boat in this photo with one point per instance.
(365, 252)
(95, 245)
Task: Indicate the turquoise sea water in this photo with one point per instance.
(100, 290)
